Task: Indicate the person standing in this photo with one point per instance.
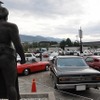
(40, 56)
(9, 34)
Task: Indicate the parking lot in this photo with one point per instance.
(44, 84)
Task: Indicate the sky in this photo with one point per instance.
(56, 18)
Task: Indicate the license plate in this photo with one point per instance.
(80, 87)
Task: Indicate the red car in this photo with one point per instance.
(93, 61)
(30, 67)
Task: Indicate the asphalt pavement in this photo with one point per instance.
(44, 84)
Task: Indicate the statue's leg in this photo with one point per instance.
(9, 72)
(17, 88)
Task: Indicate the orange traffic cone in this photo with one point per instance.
(33, 86)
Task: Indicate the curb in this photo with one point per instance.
(46, 96)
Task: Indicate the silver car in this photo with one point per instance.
(72, 72)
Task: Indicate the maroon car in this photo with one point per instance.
(93, 61)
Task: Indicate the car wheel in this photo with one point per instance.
(47, 67)
(26, 72)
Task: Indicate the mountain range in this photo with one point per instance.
(28, 38)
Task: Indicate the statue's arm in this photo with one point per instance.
(17, 42)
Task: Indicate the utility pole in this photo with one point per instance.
(80, 36)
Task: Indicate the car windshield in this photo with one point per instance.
(71, 63)
(28, 55)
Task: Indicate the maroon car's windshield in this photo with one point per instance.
(71, 63)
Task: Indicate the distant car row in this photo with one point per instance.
(77, 53)
(85, 53)
(33, 56)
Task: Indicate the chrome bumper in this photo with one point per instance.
(73, 86)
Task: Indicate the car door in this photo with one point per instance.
(36, 66)
(41, 65)
(96, 63)
(33, 67)
(93, 62)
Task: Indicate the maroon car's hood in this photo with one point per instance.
(78, 71)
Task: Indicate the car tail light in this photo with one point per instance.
(63, 79)
(97, 78)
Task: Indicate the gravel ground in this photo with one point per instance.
(41, 80)
(43, 85)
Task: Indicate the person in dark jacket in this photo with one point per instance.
(9, 34)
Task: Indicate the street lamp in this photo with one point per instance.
(80, 36)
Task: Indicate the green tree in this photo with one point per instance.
(69, 42)
(35, 44)
(62, 44)
(53, 43)
(76, 43)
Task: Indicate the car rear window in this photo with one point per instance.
(28, 55)
(71, 63)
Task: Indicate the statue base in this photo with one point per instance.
(3, 91)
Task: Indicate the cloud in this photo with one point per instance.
(56, 18)
(93, 28)
(46, 7)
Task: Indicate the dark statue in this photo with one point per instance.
(9, 34)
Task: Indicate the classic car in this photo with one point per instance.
(93, 61)
(28, 57)
(72, 72)
(33, 66)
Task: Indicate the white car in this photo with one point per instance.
(52, 55)
(37, 55)
(96, 53)
(30, 56)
